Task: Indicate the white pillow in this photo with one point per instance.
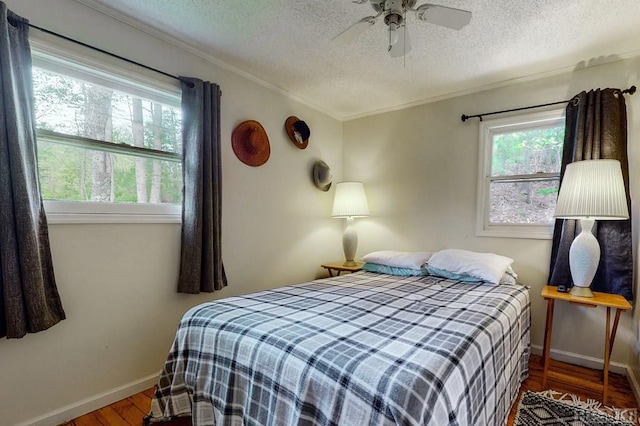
(487, 266)
(398, 259)
(509, 278)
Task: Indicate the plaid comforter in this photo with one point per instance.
(359, 349)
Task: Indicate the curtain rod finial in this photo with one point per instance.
(464, 117)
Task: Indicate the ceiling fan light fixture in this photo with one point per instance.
(393, 34)
(393, 21)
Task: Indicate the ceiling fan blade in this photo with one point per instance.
(443, 16)
(354, 30)
(403, 45)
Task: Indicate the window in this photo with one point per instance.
(109, 145)
(519, 175)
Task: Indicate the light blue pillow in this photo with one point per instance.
(390, 270)
(430, 270)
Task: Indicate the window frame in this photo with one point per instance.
(487, 129)
(82, 63)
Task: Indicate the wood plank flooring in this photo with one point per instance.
(130, 411)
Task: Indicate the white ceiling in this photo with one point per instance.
(287, 44)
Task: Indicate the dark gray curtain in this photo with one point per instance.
(201, 267)
(596, 128)
(29, 300)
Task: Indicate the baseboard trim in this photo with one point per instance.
(582, 360)
(633, 382)
(92, 403)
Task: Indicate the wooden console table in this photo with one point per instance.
(619, 303)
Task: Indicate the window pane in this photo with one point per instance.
(527, 151)
(530, 202)
(77, 174)
(80, 108)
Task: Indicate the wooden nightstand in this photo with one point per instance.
(619, 303)
(338, 267)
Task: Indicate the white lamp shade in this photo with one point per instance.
(592, 189)
(350, 200)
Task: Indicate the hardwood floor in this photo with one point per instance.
(126, 412)
(130, 411)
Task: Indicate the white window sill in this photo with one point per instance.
(77, 212)
(536, 232)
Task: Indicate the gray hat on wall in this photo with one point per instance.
(322, 176)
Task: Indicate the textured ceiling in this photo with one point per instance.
(287, 44)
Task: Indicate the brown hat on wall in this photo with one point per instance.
(250, 143)
(298, 131)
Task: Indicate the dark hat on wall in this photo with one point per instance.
(250, 143)
(298, 131)
(322, 176)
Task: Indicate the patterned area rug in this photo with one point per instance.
(178, 421)
(557, 409)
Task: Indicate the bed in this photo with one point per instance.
(358, 349)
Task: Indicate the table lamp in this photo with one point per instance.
(591, 190)
(350, 201)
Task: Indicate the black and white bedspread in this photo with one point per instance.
(359, 349)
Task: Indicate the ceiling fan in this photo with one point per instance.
(394, 13)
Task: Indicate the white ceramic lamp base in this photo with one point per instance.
(584, 257)
(349, 243)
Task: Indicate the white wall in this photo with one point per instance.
(420, 169)
(117, 282)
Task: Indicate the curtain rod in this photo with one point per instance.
(631, 90)
(14, 21)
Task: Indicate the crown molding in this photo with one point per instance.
(497, 85)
